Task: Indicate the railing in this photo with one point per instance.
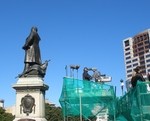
(135, 105)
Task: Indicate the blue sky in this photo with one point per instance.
(85, 32)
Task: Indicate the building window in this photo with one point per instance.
(128, 71)
(142, 58)
(135, 55)
(141, 53)
(140, 44)
(143, 62)
(148, 70)
(148, 60)
(128, 57)
(145, 37)
(128, 62)
(127, 49)
(129, 75)
(138, 39)
(147, 42)
(127, 53)
(136, 64)
(141, 48)
(141, 38)
(135, 51)
(134, 46)
(148, 46)
(148, 65)
(147, 55)
(134, 60)
(135, 41)
(129, 66)
(126, 43)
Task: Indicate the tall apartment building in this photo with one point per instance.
(137, 53)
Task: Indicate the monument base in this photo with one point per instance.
(29, 119)
(30, 99)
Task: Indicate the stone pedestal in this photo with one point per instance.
(30, 99)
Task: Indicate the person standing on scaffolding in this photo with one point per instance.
(138, 76)
(85, 74)
(86, 77)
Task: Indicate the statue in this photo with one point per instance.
(32, 49)
(33, 63)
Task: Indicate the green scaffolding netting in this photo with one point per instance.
(86, 98)
(135, 105)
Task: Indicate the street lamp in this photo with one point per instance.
(122, 84)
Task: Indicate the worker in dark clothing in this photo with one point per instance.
(85, 75)
(143, 88)
(138, 76)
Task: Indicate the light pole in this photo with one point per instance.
(122, 84)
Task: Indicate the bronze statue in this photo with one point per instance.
(32, 49)
(33, 63)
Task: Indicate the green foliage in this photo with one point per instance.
(53, 113)
(5, 116)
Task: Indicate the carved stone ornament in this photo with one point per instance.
(27, 103)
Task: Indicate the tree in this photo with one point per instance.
(53, 113)
(5, 116)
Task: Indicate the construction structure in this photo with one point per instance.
(89, 99)
(135, 105)
(86, 98)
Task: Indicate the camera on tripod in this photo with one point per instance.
(98, 77)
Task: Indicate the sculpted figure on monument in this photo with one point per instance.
(33, 63)
(32, 49)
